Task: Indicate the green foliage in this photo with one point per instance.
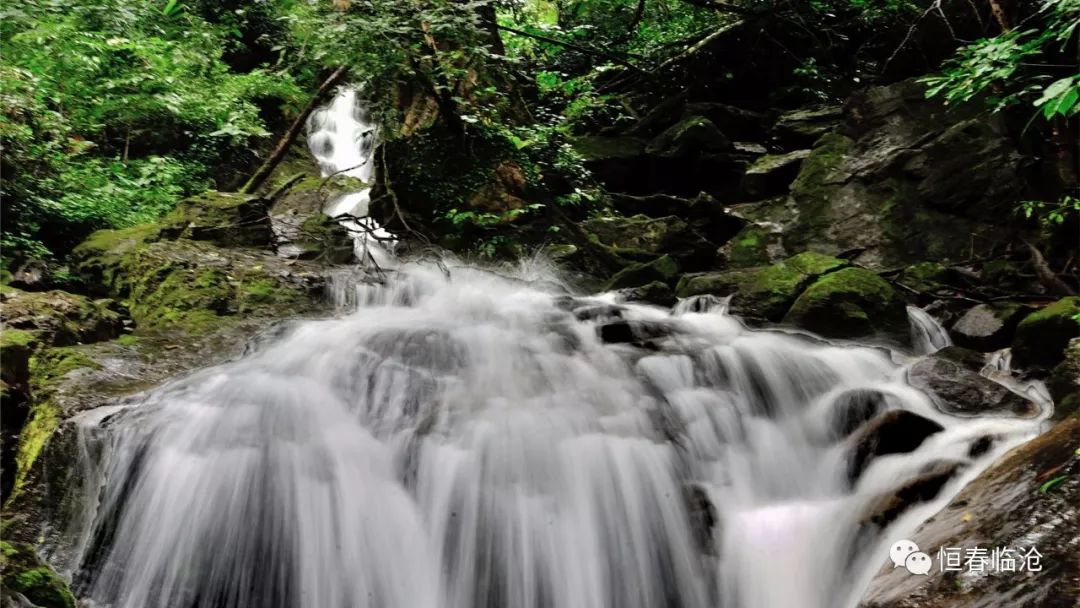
(1019, 66)
(1051, 213)
(113, 110)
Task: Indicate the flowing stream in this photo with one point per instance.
(463, 437)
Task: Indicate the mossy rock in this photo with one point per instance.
(850, 303)
(598, 147)
(691, 135)
(225, 218)
(772, 174)
(1041, 337)
(59, 318)
(763, 292)
(25, 573)
(754, 245)
(1064, 382)
(929, 276)
(663, 269)
(657, 292)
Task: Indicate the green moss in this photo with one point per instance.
(597, 147)
(748, 248)
(1042, 336)
(16, 338)
(226, 218)
(814, 188)
(128, 340)
(663, 269)
(848, 303)
(26, 574)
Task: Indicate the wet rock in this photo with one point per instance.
(690, 136)
(851, 409)
(893, 432)
(754, 245)
(988, 327)
(301, 228)
(951, 380)
(1064, 382)
(652, 205)
(1041, 337)
(850, 303)
(772, 174)
(663, 270)
(223, 218)
(657, 292)
(31, 275)
(598, 312)
(58, 318)
(704, 517)
(980, 446)
(26, 574)
(930, 277)
(803, 127)
(1009, 505)
(924, 487)
(763, 292)
(638, 333)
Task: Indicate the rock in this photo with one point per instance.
(223, 218)
(704, 517)
(601, 312)
(1041, 337)
(652, 205)
(1009, 505)
(754, 245)
(988, 327)
(905, 180)
(25, 573)
(601, 148)
(850, 303)
(930, 277)
(893, 432)
(690, 136)
(713, 219)
(804, 126)
(851, 409)
(58, 318)
(30, 275)
(663, 270)
(951, 379)
(924, 487)
(763, 292)
(301, 228)
(1064, 382)
(643, 238)
(638, 333)
(772, 174)
(732, 121)
(657, 292)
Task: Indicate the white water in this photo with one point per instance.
(462, 439)
(927, 335)
(341, 137)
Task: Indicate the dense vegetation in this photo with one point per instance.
(115, 110)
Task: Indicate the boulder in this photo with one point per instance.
(850, 303)
(1026, 499)
(892, 432)
(950, 377)
(907, 179)
(28, 575)
(804, 126)
(754, 245)
(638, 333)
(772, 174)
(643, 238)
(224, 218)
(853, 408)
(663, 270)
(1041, 337)
(1064, 382)
(300, 226)
(657, 292)
(731, 120)
(690, 136)
(763, 292)
(58, 318)
(988, 327)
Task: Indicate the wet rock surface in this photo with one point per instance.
(893, 432)
(1041, 337)
(951, 379)
(988, 327)
(1028, 499)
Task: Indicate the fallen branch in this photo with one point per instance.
(1046, 276)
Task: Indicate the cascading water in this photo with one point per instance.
(463, 439)
(341, 136)
(927, 335)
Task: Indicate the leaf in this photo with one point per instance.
(172, 7)
(1046, 487)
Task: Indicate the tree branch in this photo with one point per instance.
(572, 46)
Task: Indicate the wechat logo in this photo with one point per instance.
(906, 553)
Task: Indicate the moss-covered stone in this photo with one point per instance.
(598, 147)
(763, 292)
(25, 573)
(850, 303)
(691, 135)
(225, 218)
(60, 318)
(1064, 382)
(928, 276)
(772, 174)
(748, 248)
(1041, 337)
(663, 269)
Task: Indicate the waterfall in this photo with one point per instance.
(460, 437)
(927, 335)
(342, 137)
